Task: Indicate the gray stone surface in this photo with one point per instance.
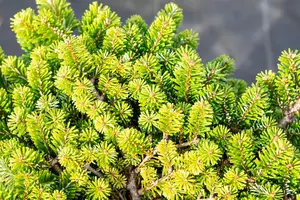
(253, 32)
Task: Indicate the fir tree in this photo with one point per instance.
(127, 111)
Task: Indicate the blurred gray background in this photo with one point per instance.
(253, 32)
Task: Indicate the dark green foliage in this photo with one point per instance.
(127, 111)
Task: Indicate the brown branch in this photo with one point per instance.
(254, 100)
(131, 184)
(165, 136)
(290, 114)
(210, 76)
(120, 195)
(132, 187)
(211, 197)
(295, 134)
(187, 144)
(100, 175)
(99, 96)
(94, 171)
(55, 165)
(154, 152)
(146, 159)
(156, 183)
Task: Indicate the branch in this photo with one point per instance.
(146, 159)
(151, 155)
(91, 169)
(120, 195)
(55, 165)
(290, 113)
(211, 197)
(187, 144)
(97, 93)
(100, 175)
(154, 152)
(131, 185)
(210, 76)
(155, 183)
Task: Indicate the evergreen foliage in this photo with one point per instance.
(127, 111)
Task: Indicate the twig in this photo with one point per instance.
(156, 183)
(97, 93)
(120, 195)
(64, 188)
(55, 165)
(131, 185)
(91, 169)
(187, 144)
(146, 159)
(211, 197)
(154, 152)
(290, 114)
(295, 134)
(100, 175)
(165, 136)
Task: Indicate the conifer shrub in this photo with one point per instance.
(127, 111)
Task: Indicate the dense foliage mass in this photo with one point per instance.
(127, 111)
